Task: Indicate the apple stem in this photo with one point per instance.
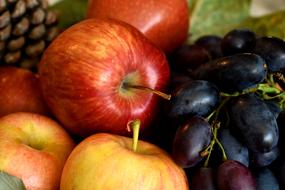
(134, 125)
(161, 94)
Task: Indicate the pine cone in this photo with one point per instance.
(26, 29)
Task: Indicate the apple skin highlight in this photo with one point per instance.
(83, 71)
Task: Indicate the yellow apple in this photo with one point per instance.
(106, 162)
(33, 148)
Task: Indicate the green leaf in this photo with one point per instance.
(70, 12)
(269, 25)
(216, 16)
(191, 4)
(9, 182)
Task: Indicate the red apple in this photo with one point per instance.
(33, 148)
(106, 161)
(20, 92)
(91, 76)
(164, 22)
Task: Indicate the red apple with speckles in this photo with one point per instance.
(34, 148)
(164, 22)
(20, 92)
(93, 73)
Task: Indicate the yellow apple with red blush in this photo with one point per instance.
(108, 161)
(33, 148)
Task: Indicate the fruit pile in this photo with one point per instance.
(227, 109)
(209, 114)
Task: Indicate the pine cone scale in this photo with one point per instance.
(2, 5)
(5, 19)
(26, 29)
(5, 33)
(19, 10)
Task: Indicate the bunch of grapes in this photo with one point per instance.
(227, 107)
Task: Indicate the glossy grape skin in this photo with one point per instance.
(203, 179)
(233, 148)
(212, 44)
(188, 57)
(232, 175)
(265, 179)
(190, 139)
(253, 123)
(197, 97)
(233, 73)
(238, 41)
(272, 50)
(264, 159)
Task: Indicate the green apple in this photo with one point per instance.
(33, 148)
(105, 161)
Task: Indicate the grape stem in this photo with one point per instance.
(235, 94)
(266, 88)
(271, 90)
(266, 91)
(207, 152)
(218, 142)
(216, 112)
(214, 127)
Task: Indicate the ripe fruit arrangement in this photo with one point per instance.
(226, 111)
(244, 111)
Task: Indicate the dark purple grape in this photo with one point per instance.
(233, 73)
(194, 98)
(259, 159)
(265, 179)
(232, 175)
(177, 79)
(203, 179)
(212, 44)
(188, 57)
(272, 50)
(238, 41)
(274, 108)
(234, 149)
(190, 139)
(253, 123)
